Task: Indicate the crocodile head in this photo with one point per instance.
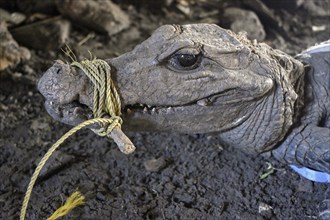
(191, 79)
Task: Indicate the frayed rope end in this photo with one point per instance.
(73, 201)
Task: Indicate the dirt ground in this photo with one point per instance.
(194, 176)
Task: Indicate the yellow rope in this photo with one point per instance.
(106, 97)
(73, 201)
(106, 103)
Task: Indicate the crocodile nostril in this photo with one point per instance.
(58, 70)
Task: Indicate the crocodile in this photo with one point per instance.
(200, 78)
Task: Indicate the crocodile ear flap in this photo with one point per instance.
(293, 67)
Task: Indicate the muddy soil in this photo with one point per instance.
(170, 176)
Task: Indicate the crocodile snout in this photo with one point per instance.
(50, 83)
(62, 84)
(68, 93)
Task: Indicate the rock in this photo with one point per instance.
(286, 5)
(40, 124)
(100, 15)
(184, 7)
(155, 165)
(239, 20)
(47, 34)
(313, 7)
(317, 8)
(267, 15)
(10, 52)
(265, 210)
(14, 18)
(100, 196)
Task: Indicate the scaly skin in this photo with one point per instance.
(255, 97)
(308, 141)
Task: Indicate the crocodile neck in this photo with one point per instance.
(277, 113)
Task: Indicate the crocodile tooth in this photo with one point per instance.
(203, 102)
(149, 106)
(169, 109)
(145, 109)
(129, 111)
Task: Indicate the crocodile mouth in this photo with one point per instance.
(229, 96)
(75, 112)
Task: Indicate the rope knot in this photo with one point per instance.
(106, 127)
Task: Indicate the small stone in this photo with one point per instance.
(11, 18)
(11, 52)
(39, 123)
(100, 196)
(155, 165)
(184, 9)
(44, 35)
(3, 107)
(239, 20)
(99, 15)
(265, 210)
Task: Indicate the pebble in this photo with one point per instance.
(99, 15)
(265, 210)
(100, 196)
(244, 20)
(11, 52)
(155, 165)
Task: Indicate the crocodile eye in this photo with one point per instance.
(185, 61)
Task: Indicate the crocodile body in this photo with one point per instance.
(201, 78)
(308, 142)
